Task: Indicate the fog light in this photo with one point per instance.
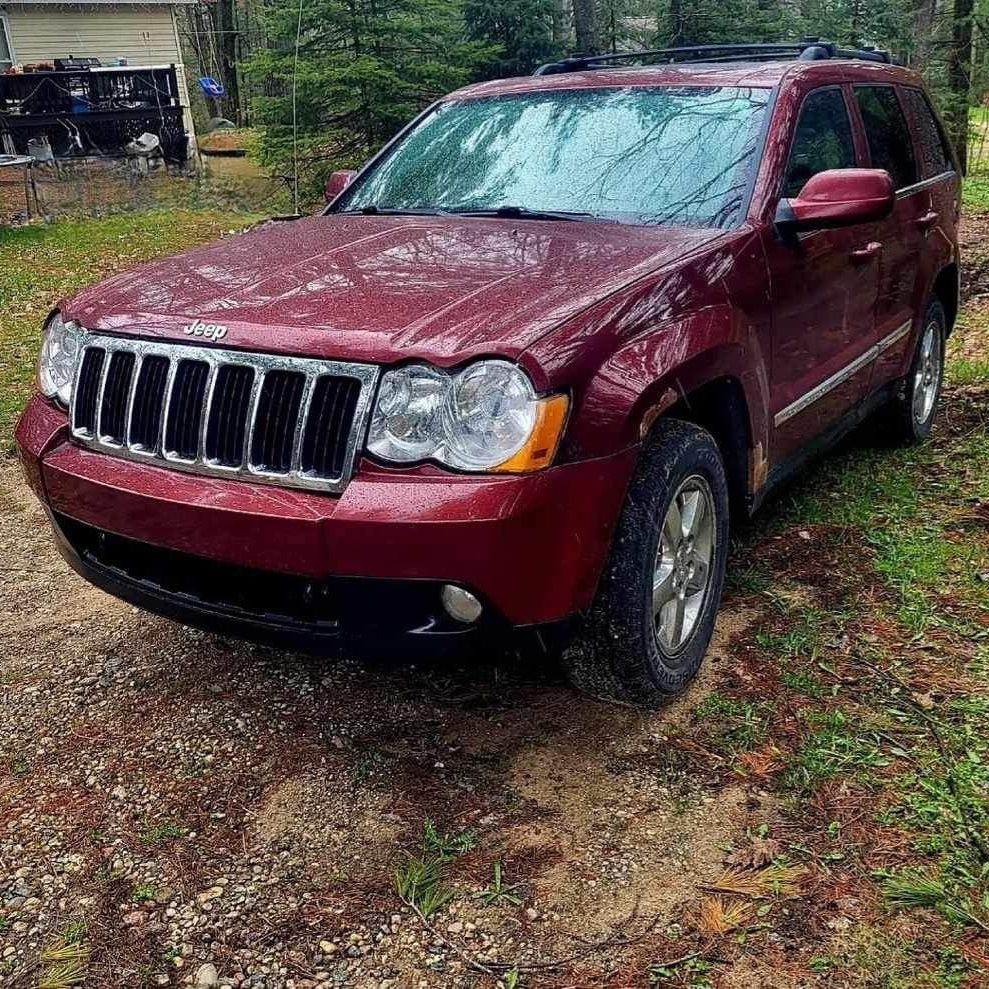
(460, 605)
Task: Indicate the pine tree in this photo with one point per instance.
(523, 30)
(365, 68)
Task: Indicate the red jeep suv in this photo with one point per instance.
(525, 365)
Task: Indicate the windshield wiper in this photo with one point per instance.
(522, 213)
(498, 212)
(373, 210)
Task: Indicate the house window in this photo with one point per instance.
(6, 50)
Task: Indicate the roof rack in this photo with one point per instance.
(808, 50)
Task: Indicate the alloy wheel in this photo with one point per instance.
(927, 378)
(684, 562)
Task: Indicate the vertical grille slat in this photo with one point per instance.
(87, 389)
(113, 409)
(186, 410)
(275, 426)
(290, 421)
(149, 403)
(210, 395)
(330, 413)
(227, 426)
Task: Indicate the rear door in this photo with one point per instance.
(903, 234)
(823, 287)
(937, 195)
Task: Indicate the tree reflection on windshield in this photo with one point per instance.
(659, 155)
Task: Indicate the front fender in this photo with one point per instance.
(651, 372)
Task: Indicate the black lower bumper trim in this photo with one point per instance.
(275, 608)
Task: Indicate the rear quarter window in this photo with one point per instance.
(935, 158)
(886, 130)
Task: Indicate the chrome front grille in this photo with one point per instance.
(291, 421)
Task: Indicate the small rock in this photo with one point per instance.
(207, 976)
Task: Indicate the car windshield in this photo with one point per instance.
(666, 155)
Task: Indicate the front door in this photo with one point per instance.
(824, 287)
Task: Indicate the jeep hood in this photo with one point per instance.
(380, 288)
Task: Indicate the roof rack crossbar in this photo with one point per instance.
(810, 49)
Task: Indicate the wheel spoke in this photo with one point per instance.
(698, 581)
(693, 513)
(919, 398)
(676, 631)
(673, 526)
(662, 588)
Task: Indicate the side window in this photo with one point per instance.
(934, 155)
(823, 139)
(887, 133)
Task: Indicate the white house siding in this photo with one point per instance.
(144, 34)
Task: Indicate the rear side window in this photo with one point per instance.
(934, 155)
(823, 139)
(887, 133)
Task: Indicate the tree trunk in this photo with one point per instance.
(561, 23)
(676, 32)
(226, 27)
(960, 76)
(923, 30)
(585, 26)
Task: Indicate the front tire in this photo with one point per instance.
(651, 623)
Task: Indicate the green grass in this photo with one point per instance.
(419, 883)
(733, 726)
(499, 893)
(835, 745)
(804, 635)
(975, 193)
(40, 265)
(145, 892)
(159, 832)
(963, 371)
(420, 879)
(894, 711)
(446, 846)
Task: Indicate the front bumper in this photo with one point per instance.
(531, 547)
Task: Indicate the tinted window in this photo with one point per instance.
(934, 156)
(887, 132)
(673, 155)
(823, 139)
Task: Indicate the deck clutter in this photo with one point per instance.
(75, 108)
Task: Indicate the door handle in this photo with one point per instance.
(928, 220)
(867, 253)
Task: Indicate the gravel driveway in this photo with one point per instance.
(187, 809)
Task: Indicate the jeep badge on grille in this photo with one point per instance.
(211, 331)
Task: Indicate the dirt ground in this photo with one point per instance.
(178, 808)
(293, 782)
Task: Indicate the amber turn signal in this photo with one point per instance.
(541, 447)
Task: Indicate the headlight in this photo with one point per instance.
(483, 418)
(60, 345)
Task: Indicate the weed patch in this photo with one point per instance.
(732, 726)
